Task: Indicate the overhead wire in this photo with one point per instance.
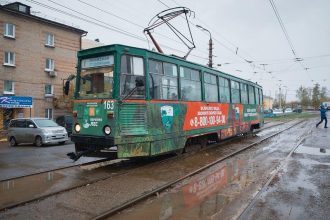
(128, 21)
(100, 24)
(279, 19)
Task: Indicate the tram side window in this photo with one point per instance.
(244, 93)
(170, 82)
(163, 81)
(155, 79)
(251, 95)
(257, 96)
(224, 90)
(261, 97)
(191, 89)
(211, 88)
(235, 98)
(132, 73)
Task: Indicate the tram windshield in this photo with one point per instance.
(96, 78)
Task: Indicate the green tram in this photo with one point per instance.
(132, 102)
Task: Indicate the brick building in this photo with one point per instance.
(37, 54)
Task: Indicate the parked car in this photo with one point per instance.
(288, 110)
(65, 121)
(35, 130)
(268, 113)
(278, 111)
(297, 110)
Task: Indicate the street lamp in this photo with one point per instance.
(210, 64)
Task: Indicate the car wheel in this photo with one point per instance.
(38, 141)
(62, 142)
(12, 142)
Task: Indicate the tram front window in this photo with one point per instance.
(96, 83)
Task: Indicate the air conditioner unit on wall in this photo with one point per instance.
(52, 73)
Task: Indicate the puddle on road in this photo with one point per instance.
(312, 150)
(27, 187)
(198, 198)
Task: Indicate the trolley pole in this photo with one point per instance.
(210, 64)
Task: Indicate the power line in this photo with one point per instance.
(282, 26)
(287, 36)
(128, 21)
(103, 24)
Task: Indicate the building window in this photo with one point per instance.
(49, 113)
(191, 87)
(8, 87)
(211, 87)
(49, 90)
(49, 41)
(9, 59)
(49, 64)
(22, 8)
(9, 30)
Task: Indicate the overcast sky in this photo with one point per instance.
(249, 28)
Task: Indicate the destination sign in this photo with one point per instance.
(97, 62)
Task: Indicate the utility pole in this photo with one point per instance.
(210, 64)
(279, 97)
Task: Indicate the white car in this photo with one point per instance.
(278, 111)
(288, 110)
(35, 130)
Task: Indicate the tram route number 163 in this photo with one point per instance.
(109, 105)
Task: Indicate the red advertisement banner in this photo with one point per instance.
(204, 115)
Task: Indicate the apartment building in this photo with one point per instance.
(37, 55)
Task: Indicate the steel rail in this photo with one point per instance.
(265, 186)
(144, 196)
(53, 170)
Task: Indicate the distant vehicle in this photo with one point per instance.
(326, 105)
(268, 113)
(278, 111)
(65, 121)
(35, 130)
(297, 110)
(288, 110)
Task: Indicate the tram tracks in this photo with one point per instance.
(275, 172)
(116, 172)
(168, 185)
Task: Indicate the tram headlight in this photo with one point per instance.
(107, 130)
(77, 128)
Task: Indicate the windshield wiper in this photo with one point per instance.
(138, 83)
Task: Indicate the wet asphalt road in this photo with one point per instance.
(301, 188)
(26, 158)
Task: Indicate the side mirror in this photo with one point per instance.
(139, 83)
(66, 87)
(31, 126)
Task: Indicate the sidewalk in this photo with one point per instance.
(301, 190)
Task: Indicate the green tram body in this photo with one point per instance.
(142, 126)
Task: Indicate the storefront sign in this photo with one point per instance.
(15, 102)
